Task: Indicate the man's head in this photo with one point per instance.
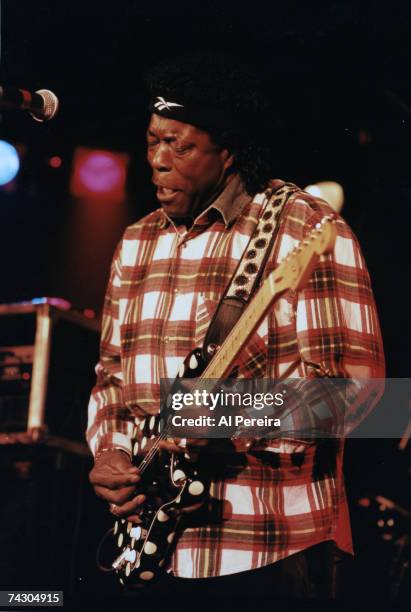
(188, 168)
(205, 125)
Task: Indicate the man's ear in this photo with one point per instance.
(228, 159)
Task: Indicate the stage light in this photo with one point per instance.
(89, 313)
(9, 162)
(99, 174)
(55, 161)
(330, 191)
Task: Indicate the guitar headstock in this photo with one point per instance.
(297, 266)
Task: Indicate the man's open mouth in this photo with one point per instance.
(165, 193)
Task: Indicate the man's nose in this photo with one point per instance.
(161, 159)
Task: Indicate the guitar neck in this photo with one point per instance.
(226, 355)
(293, 273)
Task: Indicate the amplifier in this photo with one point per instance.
(47, 358)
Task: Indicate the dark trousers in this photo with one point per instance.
(314, 576)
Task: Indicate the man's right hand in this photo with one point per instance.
(115, 480)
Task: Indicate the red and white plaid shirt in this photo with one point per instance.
(164, 287)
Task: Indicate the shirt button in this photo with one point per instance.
(166, 339)
(176, 290)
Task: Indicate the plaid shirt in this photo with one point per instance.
(165, 285)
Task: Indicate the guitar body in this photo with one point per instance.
(170, 482)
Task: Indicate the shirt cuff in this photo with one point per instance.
(111, 441)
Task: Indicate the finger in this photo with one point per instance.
(171, 446)
(116, 467)
(117, 461)
(118, 497)
(197, 442)
(105, 478)
(129, 508)
(134, 518)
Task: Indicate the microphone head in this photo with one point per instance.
(50, 106)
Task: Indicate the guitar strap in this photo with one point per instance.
(250, 267)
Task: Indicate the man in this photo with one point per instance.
(279, 521)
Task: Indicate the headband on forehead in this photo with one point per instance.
(204, 117)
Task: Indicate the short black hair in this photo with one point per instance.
(217, 79)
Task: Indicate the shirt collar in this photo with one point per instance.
(229, 204)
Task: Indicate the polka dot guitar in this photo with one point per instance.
(171, 481)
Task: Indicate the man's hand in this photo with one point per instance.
(114, 479)
(183, 445)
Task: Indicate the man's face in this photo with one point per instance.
(188, 169)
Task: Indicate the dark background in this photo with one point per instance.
(338, 76)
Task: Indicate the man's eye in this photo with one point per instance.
(182, 149)
(151, 143)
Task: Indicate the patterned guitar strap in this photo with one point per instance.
(250, 268)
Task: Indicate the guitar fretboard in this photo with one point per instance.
(271, 288)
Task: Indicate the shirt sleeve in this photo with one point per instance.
(338, 333)
(110, 422)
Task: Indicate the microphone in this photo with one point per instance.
(42, 105)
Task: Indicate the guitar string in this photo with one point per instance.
(153, 451)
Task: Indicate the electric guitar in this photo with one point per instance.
(171, 481)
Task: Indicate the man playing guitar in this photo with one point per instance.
(275, 523)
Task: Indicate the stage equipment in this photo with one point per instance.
(47, 358)
(50, 519)
(42, 105)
